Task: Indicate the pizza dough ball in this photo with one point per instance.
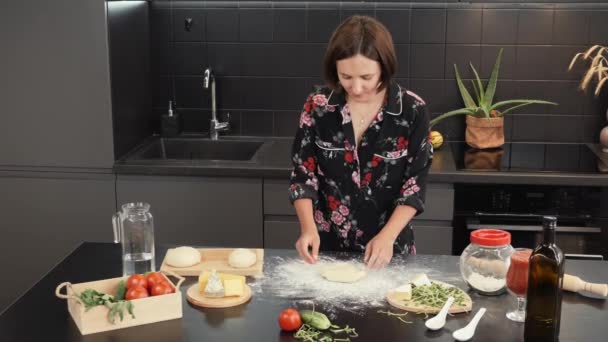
(343, 273)
(242, 258)
(183, 257)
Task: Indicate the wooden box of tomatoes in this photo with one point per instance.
(94, 309)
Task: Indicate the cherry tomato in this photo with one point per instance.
(154, 278)
(137, 280)
(289, 320)
(161, 289)
(137, 292)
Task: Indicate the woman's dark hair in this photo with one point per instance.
(365, 36)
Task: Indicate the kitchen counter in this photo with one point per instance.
(39, 315)
(273, 160)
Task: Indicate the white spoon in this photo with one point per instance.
(438, 321)
(467, 332)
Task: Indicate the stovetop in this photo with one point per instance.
(527, 157)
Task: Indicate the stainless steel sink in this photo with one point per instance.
(199, 149)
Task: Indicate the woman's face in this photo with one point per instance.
(359, 76)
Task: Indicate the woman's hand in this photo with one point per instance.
(309, 238)
(379, 251)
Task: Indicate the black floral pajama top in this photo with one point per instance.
(356, 189)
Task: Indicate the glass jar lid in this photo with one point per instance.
(490, 237)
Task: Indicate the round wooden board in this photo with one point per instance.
(411, 306)
(195, 297)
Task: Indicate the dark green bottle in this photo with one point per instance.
(544, 296)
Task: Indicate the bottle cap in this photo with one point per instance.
(490, 237)
(549, 222)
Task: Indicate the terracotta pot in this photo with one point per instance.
(485, 133)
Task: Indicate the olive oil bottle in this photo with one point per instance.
(544, 297)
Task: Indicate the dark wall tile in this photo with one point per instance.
(222, 25)
(547, 128)
(462, 56)
(571, 27)
(349, 12)
(463, 26)
(162, 91)
(559, 92)
(403, 59)
(160, 57)
(561, 56)
(195, 120)
(256, 123)
(432, 91)
(531, 62)
(591, 128)
(257, 60)
(189, 58)
(192, 32)
(290, 25)
(428, 25)
(489, 53)
(499, 26)
(288, 93)
(286, 123)
(224, 58)
(321, 24)
(505, 90)
(189, 93)
(397, 22)
(535, 26)
(427, 61)
(229, 93)
(297, 59)
(256, 25)
(598, 28)
(256, 93)
(160, 25)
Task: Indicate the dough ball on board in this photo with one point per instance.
(183, 257)
(242, 258)
(343, 273)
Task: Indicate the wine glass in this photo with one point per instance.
(517, 282)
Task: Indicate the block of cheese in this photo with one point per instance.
(403, 292)
(234, 285)
(421, 280)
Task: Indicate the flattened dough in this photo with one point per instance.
(343, 273)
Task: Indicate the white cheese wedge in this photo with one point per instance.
(403, 292)
(214, 287)
(421, 280)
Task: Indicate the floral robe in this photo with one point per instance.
(355, 189)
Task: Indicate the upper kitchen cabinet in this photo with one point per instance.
(203, 211)
(56, 108)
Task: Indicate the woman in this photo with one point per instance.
(361, 155)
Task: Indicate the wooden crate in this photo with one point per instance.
(146, 310)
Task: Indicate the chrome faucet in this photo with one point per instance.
(215, 126)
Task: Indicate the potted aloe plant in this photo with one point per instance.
(485, 119)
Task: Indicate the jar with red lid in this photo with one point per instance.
(485, 261)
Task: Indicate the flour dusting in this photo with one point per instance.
(292, 278)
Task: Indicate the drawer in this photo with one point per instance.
(432, 238)
(281, 234)
(439, 200)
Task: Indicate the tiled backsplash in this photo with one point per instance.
(267, 55)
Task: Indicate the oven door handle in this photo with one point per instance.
(527, 216)
(472, 225)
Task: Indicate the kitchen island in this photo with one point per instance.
(40, 316)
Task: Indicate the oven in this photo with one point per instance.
(582, 220)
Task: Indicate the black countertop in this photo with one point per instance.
(273, 160)
(40, 316)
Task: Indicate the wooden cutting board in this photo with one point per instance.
(195, 297)
(217, 259)
(413, 307)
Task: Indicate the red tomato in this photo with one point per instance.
(137, 280)
(289, 320)
(137, 292)
(161, 289)
(154, 278)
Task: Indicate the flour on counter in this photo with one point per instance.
(294, 279)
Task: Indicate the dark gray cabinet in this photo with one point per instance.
(210, 211)
(44, 217)
(55, 85)
(433, 228)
